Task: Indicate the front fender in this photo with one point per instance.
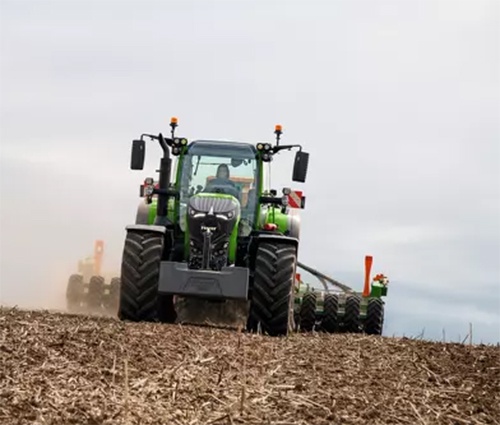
(269, 237)
(275, 237)
(142, 216)
(146, 228)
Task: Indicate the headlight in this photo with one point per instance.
(226, 216)
(196, 214)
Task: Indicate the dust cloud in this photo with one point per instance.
(229, 313)
(49, 226)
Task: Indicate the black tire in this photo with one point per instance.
(272, 291)
(307, 312)
(114, 290)
(330, 320)
(351, 320)
(74, 292)
(141, 259)
(95, 296)
(374, 321)
(113, 297)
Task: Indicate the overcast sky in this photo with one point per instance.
(396, 101)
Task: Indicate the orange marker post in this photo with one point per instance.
(298, 282)
(368, 268)
(98, 254)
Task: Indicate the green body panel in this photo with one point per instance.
(233, 240)
(274, 215)
(378, 290)
(152, 210)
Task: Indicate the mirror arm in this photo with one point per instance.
(278, 148)
(147, 135)
(164, 143)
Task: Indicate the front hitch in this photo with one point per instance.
(207, 247)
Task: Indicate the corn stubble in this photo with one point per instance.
(58, 368)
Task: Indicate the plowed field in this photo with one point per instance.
(72, 369)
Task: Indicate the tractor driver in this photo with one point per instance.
(223, 175)
(223, 182)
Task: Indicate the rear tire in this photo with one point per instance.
(374, 321)
(330, 320)
(95, 296)
(272, 292)
(351, 321)
(141, 259)
(307, 312)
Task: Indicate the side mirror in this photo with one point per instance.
(138, 153)
(300, 167)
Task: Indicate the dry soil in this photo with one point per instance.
(58, 368)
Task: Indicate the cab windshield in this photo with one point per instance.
(221, 167)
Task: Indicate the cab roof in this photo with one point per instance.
(231, 149)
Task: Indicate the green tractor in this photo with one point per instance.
(211, 230)
(343, 310)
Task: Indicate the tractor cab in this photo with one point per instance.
(218, 174)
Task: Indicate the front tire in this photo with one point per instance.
(272, 292)
(139, 276)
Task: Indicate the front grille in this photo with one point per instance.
(219, 205)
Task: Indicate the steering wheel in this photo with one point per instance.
(219, 185)
(223, 188)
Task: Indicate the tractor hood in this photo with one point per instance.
(213, 204)
(211, 220)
